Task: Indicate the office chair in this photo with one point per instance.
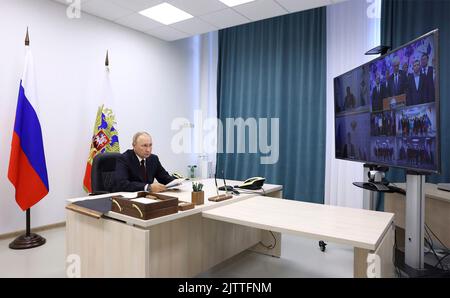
(103, 172)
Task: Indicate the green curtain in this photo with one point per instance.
(405, 20)
(276, 68)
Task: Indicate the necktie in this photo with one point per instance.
(143, 170)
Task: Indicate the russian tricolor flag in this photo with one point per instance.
(27, 170)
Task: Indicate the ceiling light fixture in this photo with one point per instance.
(166, 14)
(232, 3)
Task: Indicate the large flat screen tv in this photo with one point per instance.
(387, 110)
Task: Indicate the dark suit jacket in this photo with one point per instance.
(429, 85)
(400, 87)
(346, 153)
(388, 89)
(416, 96)
(377, 97)
(128, 175)
(349, 101)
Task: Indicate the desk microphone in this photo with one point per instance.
(219, 198)
(226, 187)
(215, 181)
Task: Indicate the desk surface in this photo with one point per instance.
(184, 194)
(431, 191)
(356, 227)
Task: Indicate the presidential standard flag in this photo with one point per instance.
(105, 137)
(27, 169)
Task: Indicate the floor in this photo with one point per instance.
(47, 260)
(300, 257)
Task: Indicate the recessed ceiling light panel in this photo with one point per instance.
(232, 3)
(166, 14)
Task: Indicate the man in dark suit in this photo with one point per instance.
(428, 73)
(349, 100)
(398, 80)
(416, 86)
(378, 93)
(349, 148)
(138, 167)
(386, 83)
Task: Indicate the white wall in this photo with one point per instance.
(353, 28)
(153, 82)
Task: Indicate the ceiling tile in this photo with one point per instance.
(194, 26)
(260, 9)
(68, 2)
(105, 9)
(198, 7)
(225, 18)
(167, 33)
(137, 5)
(210, 15)
(138, 22)
(295, 5)
(338, 1)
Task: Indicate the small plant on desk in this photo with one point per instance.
(197, 186)
(198, 195)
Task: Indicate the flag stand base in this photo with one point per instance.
(26, 242)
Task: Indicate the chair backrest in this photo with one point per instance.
(103, 171)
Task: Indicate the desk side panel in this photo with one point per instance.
(267, 237)
(125, 250)
(223, 240)
(84, 238)
(106, 248)
(385, 256)
(176, 248)
(395, 203)
(437, 215)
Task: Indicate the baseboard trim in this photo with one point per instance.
(33, 230)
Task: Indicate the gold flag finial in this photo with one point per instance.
(107, 59)
(27, 39)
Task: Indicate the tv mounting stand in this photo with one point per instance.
(415, 209)
(376, 181)
(373, 186)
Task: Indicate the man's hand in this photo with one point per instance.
(157, 187)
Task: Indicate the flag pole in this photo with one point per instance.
(28, 240)
(27, 39)
(28, 229)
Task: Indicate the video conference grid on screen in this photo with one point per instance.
(385, 110)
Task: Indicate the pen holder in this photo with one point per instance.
(198, 197)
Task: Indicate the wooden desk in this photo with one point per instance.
(178, 245)
(367, 231)
(437, 212)
(190, 242)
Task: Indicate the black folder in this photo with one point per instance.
(102, 205)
